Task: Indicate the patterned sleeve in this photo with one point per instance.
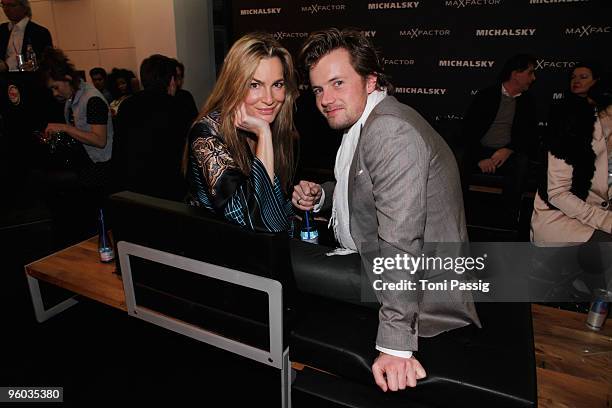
(251, 201)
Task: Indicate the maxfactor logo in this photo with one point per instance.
(283, 35)
(320, 8)
(466, 63)
(398, 61)
(420, 91)
(545, 64)
(387, 5)
(259, 11)
(413, 33)
(556, 1)
(587, 30)
(506, 32)
(471, 3)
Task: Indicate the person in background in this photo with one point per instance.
(121, 87)
(99, 77)
(499, 129)
(240, 157)
(184, 98)
(572, 203)
(19, 32)
(150, 135)
(88, 121)
(571, 215)
(581, 78)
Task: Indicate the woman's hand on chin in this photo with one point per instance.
(251, 124)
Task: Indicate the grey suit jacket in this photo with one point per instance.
(404, 197)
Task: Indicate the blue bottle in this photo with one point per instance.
(309, 232)
(105, 246)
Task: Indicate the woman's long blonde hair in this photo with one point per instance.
(231, 89)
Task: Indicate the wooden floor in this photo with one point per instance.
(574, 363)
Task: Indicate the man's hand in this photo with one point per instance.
(500, 156)
(487, 166)
(396, 373)
(305, 195)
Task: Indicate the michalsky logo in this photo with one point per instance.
(398, 61)
(556, 1)
(320, 8)
(466, 63)
(369, 34)
(413, 33)
(505, 32)
(283, 35)
(421, 91)
(393, 5)
(258, 11)
(471, 3)
(545, 64)
(587, 30)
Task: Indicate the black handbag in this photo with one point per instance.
(64, 152)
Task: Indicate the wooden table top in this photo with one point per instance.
(574, 363)
(78, 269)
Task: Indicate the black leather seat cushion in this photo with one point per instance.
(493, 366)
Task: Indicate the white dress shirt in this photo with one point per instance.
(15, 42)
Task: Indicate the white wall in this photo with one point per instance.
(153, 27)
(195, 45)
(91, 32)
(121, 33)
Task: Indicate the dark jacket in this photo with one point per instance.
(187, 104)
(34, 34)
(482, 112)
(150, 136)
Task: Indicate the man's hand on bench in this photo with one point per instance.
(396, 373)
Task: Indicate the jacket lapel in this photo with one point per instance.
(4, 38)
(353, 171)
(26, 38)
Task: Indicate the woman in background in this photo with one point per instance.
(582, 77)
(240, 152)
(87, 116)
(573, 199)
(121, 87)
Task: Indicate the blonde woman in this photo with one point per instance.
(240, 153)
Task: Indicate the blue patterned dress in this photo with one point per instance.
(217, 183)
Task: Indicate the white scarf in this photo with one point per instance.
(340, 211)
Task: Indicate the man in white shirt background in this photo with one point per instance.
(19, 32)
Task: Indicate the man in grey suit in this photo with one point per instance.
(397, 190)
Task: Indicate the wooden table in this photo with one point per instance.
(574, 363)
(79, 270)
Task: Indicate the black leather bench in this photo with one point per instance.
(167, 249)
